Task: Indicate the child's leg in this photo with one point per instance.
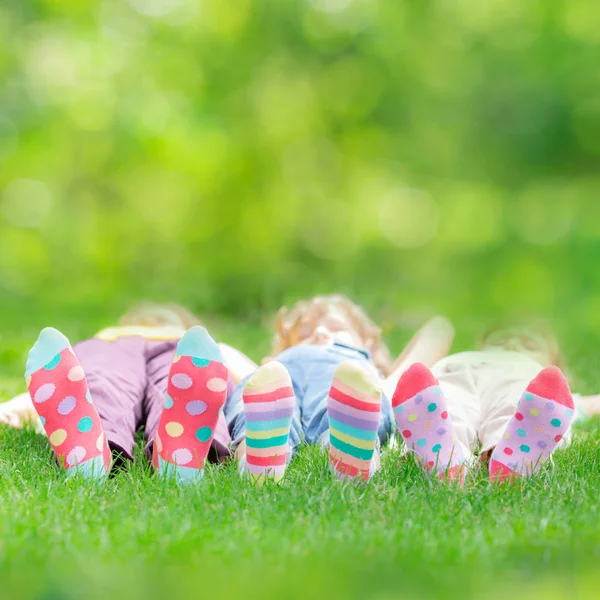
(542, 418)
(159, 358)
(117, 380)
(269, 406)
(60, 394)
(197, 390)
(423, 420)
(354, 411)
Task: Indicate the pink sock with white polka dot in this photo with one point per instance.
(196, 395)
(544, 414)
(60, 395)
(423, 420)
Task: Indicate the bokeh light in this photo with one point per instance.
(234, 154)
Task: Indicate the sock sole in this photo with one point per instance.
(269, 404)
(543, 416)
(60, 395)
(354, 412)
(422, 417)
(197, 391)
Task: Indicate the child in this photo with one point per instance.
(510, 398)
(148, 372)
(322, 388)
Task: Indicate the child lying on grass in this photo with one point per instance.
(324, 387)
(148, 372)
(509, 398)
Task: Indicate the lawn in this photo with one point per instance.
(401, 536)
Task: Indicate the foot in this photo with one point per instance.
(544, 414)
(269, 403)
(196, 394)
(354, 411)
(422, 417)
(60, 395)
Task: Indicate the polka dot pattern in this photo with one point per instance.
(182, 456)
(532, 436)
(76, 456)
(76, 374)
(216, 384)
(200, 363)
(85, 424)
(67, 405)
(174, 429)
(44, 393)
(195, 407)
(204, 434)
(53, 363)
(427, 428)
(67, 412)
(196, 394)
(181, 381)
(58, 437)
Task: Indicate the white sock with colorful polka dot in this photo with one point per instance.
(543, 416)
(423, 420)
(196, 395)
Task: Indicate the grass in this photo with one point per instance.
(402, 536)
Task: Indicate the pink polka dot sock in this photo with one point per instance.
(269, 403)
(544, 414)
(196, 395)
(422, 418)
(354, 411)
(60, 395)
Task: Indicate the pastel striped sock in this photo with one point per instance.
(422, 417)
(354, 411)
(197, 392)
(269, 403)
(60, 395)
(544, 414)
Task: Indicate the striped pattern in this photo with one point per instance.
(268, 407)
(354, 410)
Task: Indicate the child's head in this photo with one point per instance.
(538, 342)
(330, 318)
(149, 314)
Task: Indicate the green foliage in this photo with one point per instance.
(232, 154)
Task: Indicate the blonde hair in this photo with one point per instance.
(288, 322)
(537, 337)
(150, 314)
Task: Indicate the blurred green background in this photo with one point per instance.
(234, 154)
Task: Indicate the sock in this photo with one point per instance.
(543, 416)
(269, 403)
(196, 394)
(422, 417)
(354, 411)
(60, 395)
